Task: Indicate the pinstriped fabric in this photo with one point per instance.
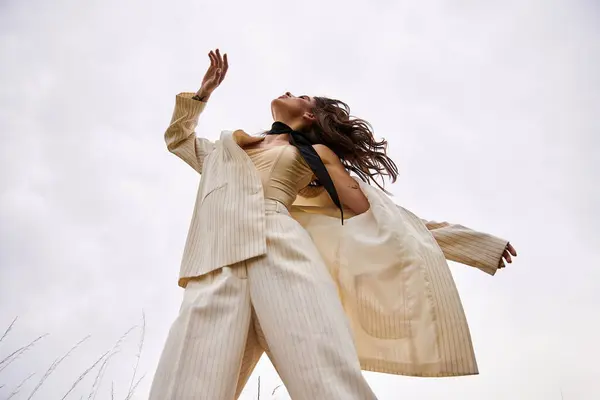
(214, 344)
(390, 270)
(454, 338)
(396, 288)
(302, 318)
(466, 246)
(226, 228)
(256, 345)
(180, 137)
(207, 340)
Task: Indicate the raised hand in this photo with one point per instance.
(214, 75)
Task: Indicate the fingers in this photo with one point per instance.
(507, 256)
(219, 62)
(511, 249)
(213, 59)
(225, 67)
(219, 59)
(216, 71)
(216, 61)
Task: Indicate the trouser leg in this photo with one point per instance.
(203, 352)
(298, 308)
(252, 353)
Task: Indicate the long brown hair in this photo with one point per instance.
(352, 140)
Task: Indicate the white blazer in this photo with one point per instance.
(390, 266)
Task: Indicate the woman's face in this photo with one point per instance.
(288, 107)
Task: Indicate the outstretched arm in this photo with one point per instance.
(458, 243)
(180, 136)
(466, 246)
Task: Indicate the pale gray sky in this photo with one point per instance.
(489, 108)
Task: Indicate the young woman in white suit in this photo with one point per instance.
(255, 279)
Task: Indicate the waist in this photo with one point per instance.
(275, 206)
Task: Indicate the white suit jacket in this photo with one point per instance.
(389, 265)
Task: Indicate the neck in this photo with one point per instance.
(295, 124)
(284, 137)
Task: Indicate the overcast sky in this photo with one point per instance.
(490, 109)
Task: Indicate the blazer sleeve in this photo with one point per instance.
(180, 136)
(469, 247)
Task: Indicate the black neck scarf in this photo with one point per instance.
(311, 157)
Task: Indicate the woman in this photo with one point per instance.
(255, 280)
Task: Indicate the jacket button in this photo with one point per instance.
(256, 190)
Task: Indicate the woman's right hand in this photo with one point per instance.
(215, 74)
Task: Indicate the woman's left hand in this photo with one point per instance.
(509, 252)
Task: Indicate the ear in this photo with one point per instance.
(310, 117)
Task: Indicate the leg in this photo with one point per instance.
(252, 354)
(256, 346)
(203, 352)
(298, 307)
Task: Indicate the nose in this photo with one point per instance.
(288, 94)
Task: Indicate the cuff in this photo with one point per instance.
(496, 247)
(189, 106)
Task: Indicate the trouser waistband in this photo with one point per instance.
(275, 206)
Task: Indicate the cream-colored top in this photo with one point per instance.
(283, 171)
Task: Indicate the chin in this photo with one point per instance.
(278, 104)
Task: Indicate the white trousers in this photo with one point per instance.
(284, 302)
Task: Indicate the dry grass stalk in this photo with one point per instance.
(104, 358)
(54, 365)
(15, 354)
(84, 374)
(274, 390)
(133, 385)
(8, 329)
(99, 375)
(18, 388)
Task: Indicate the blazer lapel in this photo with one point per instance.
(233, 143)
(243, 139)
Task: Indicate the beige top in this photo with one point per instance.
(283, 172)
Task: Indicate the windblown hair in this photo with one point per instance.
(352, 140)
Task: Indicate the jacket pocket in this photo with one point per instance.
(213, 189)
